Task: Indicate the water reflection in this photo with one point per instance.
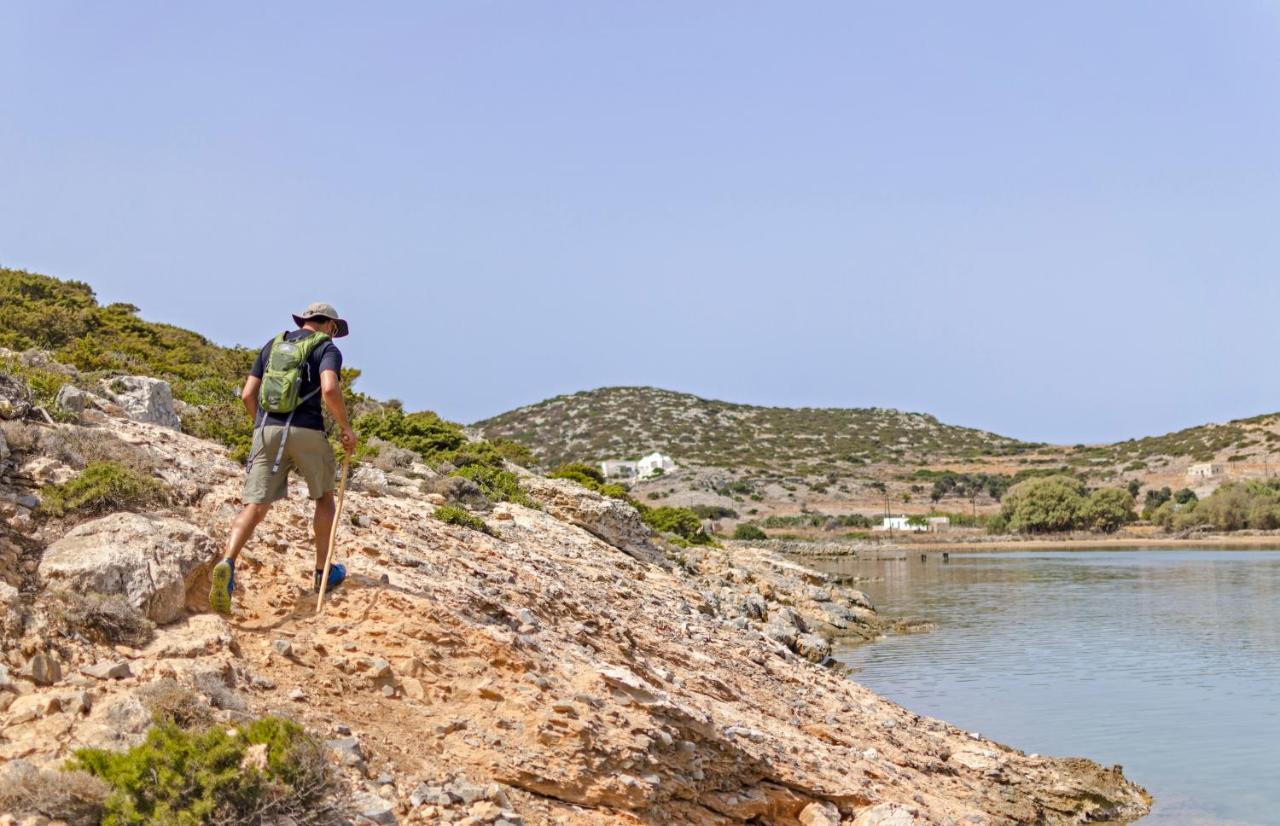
(1163, 661)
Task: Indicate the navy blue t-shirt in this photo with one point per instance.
(325, 357)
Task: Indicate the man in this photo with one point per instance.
(301, 368)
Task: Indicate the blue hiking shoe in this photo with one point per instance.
(224, 580)
(337, 573)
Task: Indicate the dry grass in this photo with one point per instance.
(107, 619)
(172, 702)
(72, 797)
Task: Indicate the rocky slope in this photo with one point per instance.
(568, 670)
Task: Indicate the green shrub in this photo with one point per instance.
(497, 484)
(107, 619)
(102, 487)
(714, 512)
(749, 532)
(588, 476)
(262, 772)
(424, 432)
(682, 522)
(454, 515)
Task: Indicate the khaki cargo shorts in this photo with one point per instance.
(306, 451)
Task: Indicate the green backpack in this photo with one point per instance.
(282, 378)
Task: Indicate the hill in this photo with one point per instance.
(617, 422)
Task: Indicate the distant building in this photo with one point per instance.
(618, 469)
(655, 464)
(1204, 470)
(652, 465)
(904, 523)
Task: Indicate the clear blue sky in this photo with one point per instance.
(1055, 221)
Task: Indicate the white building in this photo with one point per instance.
(1204, 470)
(653, 464)
(902, 523)
(618, 469)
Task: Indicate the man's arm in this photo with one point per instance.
(331, 392)
(249, 395)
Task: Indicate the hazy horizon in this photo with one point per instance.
(1052, 223)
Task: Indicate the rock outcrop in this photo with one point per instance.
(149, 560)
(613, 521)
(143, 399)
(562, 671)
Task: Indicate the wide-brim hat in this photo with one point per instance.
(322, 310)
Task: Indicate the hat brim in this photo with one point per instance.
(343, 329)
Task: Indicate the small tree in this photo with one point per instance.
(1043, 505)
(1107, 509)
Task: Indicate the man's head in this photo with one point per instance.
(322, 317)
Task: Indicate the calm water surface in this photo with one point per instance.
(1166, 662)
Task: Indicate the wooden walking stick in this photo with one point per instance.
(333, 533)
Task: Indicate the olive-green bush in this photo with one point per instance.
(102, 487)
(454, 515)
(261, 772)
(748, 532)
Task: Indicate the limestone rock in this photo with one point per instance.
(143, 399)
(820, 814)
(886, 814)
(150, 560)
(15, 399)
(369, 479)
(71, 399)
(118, 670)
(812, 647)
(370, 808)
(613, 521)
(44, 670)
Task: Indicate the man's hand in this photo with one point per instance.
(349, 439)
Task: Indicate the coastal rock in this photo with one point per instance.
(148, 559)
(143, 399)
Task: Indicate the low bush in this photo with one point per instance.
(682, 522)
(73, 797)
(714, 512)
(172, 703)
(497, 484)
(454, 515)
(102, 487)
(749, 532)
(107, 619)
(425, 433)
(267, 771)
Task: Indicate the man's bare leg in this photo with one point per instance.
(246, 522)
(242, 529)
(323, 523)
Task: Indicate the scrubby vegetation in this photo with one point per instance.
(629, 421)
(680, 522)
(267, 771)
(64, 317)
(747, 532)
(444, 445)
(102, 487)
(461, 517)
(72, 797)
(591, 478)
(107, 619)
(1234, 506)
(818, 520)
(1062, 503)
